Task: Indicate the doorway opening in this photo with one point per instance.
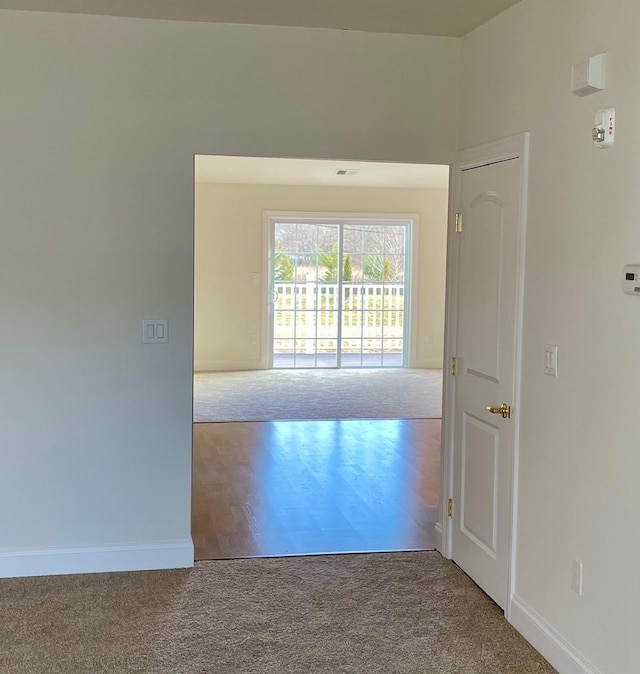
(339, 291)
(318, 352)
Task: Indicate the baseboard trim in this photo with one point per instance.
(246, 365)
(429, 364)
(228, 366)
(545, 639)
(64, 561)
(437, 537)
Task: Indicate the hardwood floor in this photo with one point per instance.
(303, 487)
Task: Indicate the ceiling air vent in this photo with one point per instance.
(347, 172)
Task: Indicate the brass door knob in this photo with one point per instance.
(504, 410)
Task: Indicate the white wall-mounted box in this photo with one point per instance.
(589, 77)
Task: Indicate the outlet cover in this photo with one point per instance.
(551, 360)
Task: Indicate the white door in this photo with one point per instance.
(486, 352)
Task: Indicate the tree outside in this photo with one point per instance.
(284, 269)
(347, 271)
(375, 252)
(330, 263)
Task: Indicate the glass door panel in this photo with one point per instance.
(304, 273)
(338, 294)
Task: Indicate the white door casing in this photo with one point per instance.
(484, 312)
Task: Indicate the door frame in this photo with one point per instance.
(412, 221)
(511, 147)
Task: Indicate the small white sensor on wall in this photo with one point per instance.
(589, 77)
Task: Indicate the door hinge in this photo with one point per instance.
(450, 508)
(454, 366)
(458, 222)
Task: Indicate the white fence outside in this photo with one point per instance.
(306, 317)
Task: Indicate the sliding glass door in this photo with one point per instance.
(373, 295)
(338, 292)
(306, 320)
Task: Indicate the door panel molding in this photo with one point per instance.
(490, 242)
(488, 196)
(505, 149)
(475, 509)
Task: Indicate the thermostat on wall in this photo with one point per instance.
(631, 279)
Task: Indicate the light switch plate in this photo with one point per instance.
(155, 331)
(551, 360)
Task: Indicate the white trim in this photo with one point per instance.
(227, 365)
(265, 286)
(411, 317)
(427, 364)
(63, 561)
(245, 365)
(489, 153)
(340, 280)
(448, 389)
(545, 639)
(521, 143)
(495, 151)
(268, 261)
(332, 215)
(437, 537)
(412, 220)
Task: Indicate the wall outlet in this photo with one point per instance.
(551, 360)
(576, 576)
(254, 338)
(428, 337)
(255, 278)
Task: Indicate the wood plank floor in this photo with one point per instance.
(305, 487)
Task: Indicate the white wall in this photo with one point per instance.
(580, 458)
(100, 120)
(229, 239)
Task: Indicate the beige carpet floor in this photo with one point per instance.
(399, 613)
(274, 395)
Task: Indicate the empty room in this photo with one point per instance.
(318, 347)
(533, 107)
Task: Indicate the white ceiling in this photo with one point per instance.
(452, 18)
(267, 171)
